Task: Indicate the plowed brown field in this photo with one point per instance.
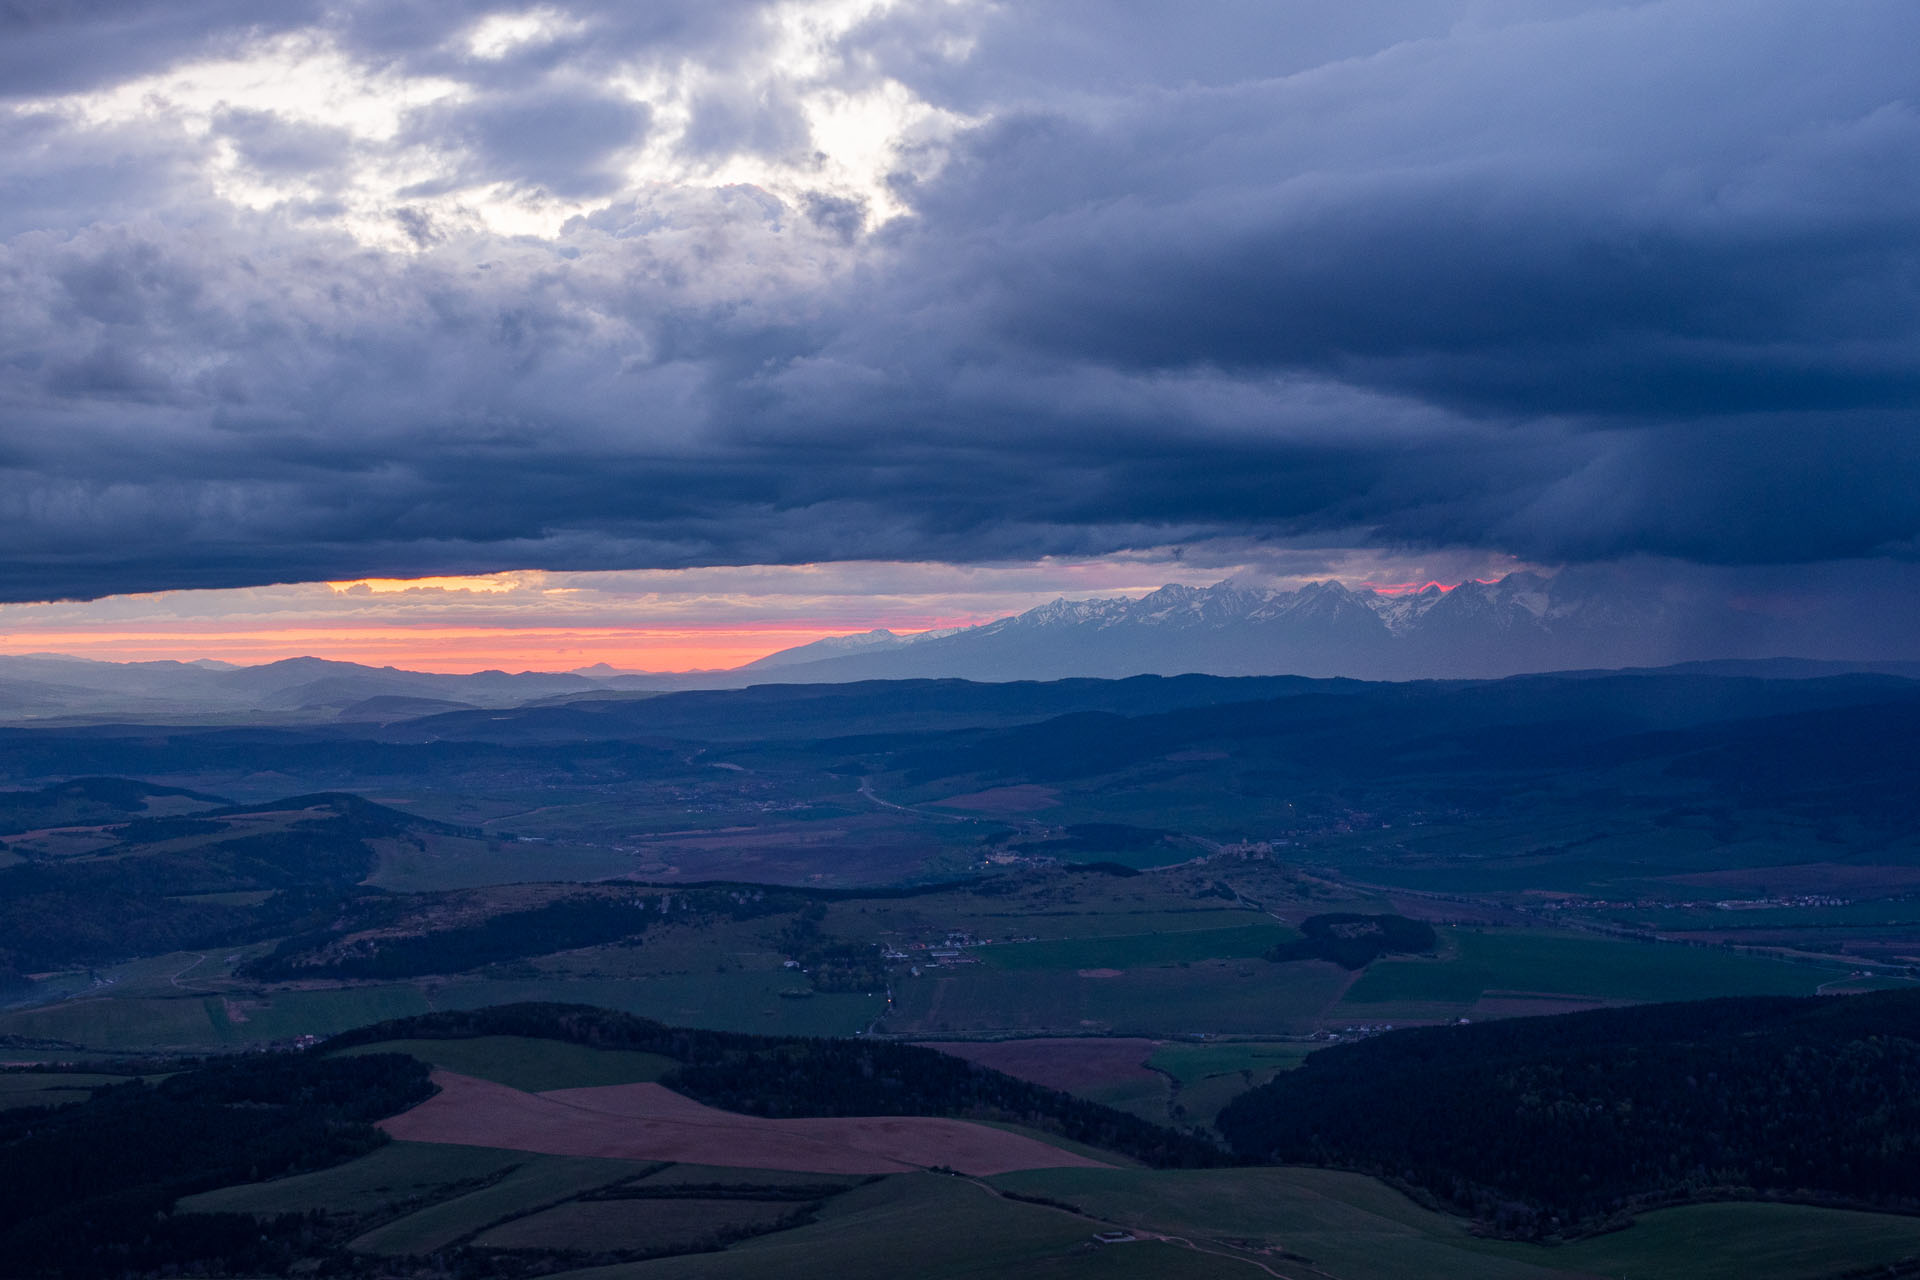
(648, 1122)
(1080, 1063)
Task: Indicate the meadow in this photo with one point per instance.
(1479, 966)
(50, 1088)
(1241, 997)
(531, 1065)
(533, 1184)
(1129, 951)
(1354, 1228)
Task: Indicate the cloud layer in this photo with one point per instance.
(407, 289)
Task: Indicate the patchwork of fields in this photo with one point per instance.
(423, 1197)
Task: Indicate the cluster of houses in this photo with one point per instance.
(1359, 1031)
(1571, 903)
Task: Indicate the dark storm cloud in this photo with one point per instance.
(1523, 222)
(1573, 283)
(66, 46)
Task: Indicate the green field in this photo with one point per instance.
(1212, 1075)
(398, 1174)
(930, 1227)
(1322, 1222)
(536, 1182)
(535, 1066)
(606, 1226)
(1245, 997)
(52, 1088)
(1349, 1226)
(1147, 1099)
(1357, 1229)
(732, 1176)
(734, 1000)
(1476, 962)
(1738, 1242)
(1192, 1063)
(1132, 950)
(199, 1022)
(747, 1000)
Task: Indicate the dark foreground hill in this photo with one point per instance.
(88, 1189)
(91, 1188)
(1550, 1126)
(787, 1076)
(158, 884)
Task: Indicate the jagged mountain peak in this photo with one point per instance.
(1522, 622)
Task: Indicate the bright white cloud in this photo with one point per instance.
(857, 128)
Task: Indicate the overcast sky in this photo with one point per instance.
(324, 291)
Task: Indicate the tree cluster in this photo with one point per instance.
(789, 1076)
(1355, 941)
(88, 1189)
(1551, 1126)
(95, 910)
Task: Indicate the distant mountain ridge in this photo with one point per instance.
(1523, 622)
(43, 686)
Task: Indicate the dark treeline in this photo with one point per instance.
(1355, 941)
(99, 909)
(585, 919)
(88, 1189)
(557, 926)
(85, 802)
(794, 1076)
(1549, 1126)
(877, 1078)
(1097, 837)
(830, 963)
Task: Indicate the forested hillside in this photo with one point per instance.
(1548, 1126)
(805, 1076)
(88, 1189)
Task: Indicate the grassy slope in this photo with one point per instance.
(1246, 996)
(1358, 1229)
(1569, 964)
(1132, 950)
(51, 1088)
(1738, 1242)
(609, 1225)
(1351, 1227)
(931, 1228)
(538, 1181)
(529, 1064)
(189, 1021)
(397, 1173)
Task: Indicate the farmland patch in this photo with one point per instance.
(648, 1122)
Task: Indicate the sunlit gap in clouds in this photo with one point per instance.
(399, 162)
(633, 619)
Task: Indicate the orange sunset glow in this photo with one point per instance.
(532, 620)
(433, 648)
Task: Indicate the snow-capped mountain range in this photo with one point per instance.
(1523, 622)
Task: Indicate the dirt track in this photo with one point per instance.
(648, 1122)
